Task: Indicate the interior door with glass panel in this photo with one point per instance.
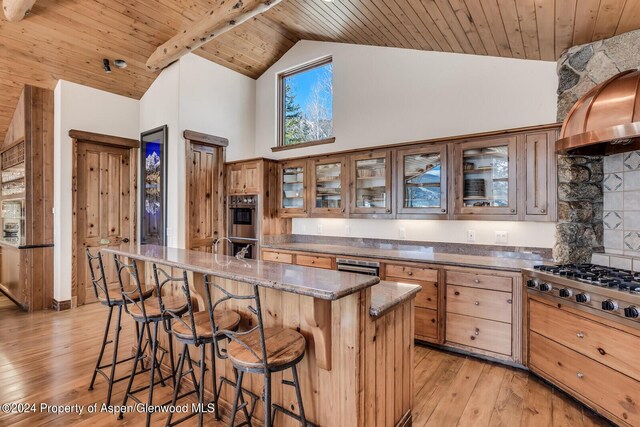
(422, 180)
(371, 183)
(328, 186)
(486, 175)
(293, 197)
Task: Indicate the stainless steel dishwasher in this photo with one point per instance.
(371, 268)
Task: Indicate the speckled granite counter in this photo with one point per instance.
(313, 282)
(482, 256)
(386, 295)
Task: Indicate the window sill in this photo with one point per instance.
(304, 144)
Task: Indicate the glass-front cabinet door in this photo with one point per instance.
(371, 183)
(293, 193)
(486, 177)
(328, 186)
(422, 180)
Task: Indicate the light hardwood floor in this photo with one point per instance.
(48, 357)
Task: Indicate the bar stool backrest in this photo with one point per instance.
(238, 336)
(99, 283)
(132, 296)
(162, 279)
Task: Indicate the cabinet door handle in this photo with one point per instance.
(580, 334)
(410, 273)
(509, 301)
(513, 211)
(477, 331)
(579, 375)
(476, 280)
(125, 240)
(443, 210)
(477, 303)
(388, 210)
(543, 210)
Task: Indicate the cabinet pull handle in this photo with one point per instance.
(543, 210)
(388, 210)
(580, 375)
(410, 273)
(477, 303)
(476, 280)
(580, 334)
(513, 211)
(443, 210)
(509, 301)
(477, 331)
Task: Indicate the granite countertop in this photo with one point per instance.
(386, 295)
(428, 254)
(313, 282)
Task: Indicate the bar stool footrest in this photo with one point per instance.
(285, 411)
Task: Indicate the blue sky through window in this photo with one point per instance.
(303, 83)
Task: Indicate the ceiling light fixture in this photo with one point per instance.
(120, 63)
(107, 67)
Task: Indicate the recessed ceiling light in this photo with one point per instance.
(120, 63)
(328, 1)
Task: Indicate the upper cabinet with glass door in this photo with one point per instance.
(293, 188)
(328, 186)
(370, 176)
(486, 174)
(422, 180)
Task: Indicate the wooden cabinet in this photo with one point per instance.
(329, 183)
(481, 316)
(370, 184)
(274, 256)
(428, 301)
(486, 175)
(421, 182)
(315, 261)
(587, 356)
(292, 197)
(540, 177)
(245, 177)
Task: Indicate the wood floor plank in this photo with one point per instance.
(538, 405)
(480, 405)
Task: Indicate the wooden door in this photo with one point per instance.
(251, 176)
(235, 177)
(292, 197)
(540, 176)
(370, 185)
(205, 201)
(104, 178)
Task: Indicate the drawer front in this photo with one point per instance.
(612, 347)
(414, 273)
(426, 324)
(492, 305)
(314, 261)
(485, 281)
(277, 257)
(604, 387)
(479, 333)
(428, 296)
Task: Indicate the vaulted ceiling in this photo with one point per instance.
(67, 39)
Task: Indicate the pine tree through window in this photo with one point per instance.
(306, 104)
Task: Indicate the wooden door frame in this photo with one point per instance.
(133, 145)
(220, 145)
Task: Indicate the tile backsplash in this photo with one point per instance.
(621, 218)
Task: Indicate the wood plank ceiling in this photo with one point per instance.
(68, 39)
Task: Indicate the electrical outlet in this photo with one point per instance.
(471, 236)
(347, 230)
(502, 237)
(402, 232)
(303, 230)
(319, 228)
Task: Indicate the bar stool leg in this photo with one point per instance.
(116, 340)
(267, 399)
(176, 388)
(104, 344)
(234, 410)
(296, 384)
(214, 377)
(171, 358)
(134, 370)
(154, 349)
(203, 369)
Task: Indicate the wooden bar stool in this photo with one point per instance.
(260, 350)
(146, 313)
(192, 328)
(111, 301)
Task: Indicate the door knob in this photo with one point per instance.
(125, 240)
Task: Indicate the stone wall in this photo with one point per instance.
(580, 179)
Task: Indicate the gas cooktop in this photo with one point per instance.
(607, 277)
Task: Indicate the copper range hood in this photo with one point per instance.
(606, 120)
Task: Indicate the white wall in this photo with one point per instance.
(387, 95)
(197, 94)
(81, 108)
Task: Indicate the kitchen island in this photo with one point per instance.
(358, 368)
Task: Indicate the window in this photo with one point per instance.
(306, 104)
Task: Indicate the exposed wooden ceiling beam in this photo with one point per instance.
(16, 10)
(216, 22)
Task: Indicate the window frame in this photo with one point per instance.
(280, 110)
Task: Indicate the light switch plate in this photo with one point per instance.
(502, 237)
(402, 232)
(471, 236)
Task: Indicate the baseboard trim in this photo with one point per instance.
(61, 305)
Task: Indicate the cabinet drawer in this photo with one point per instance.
(414, 273)
(485, 281)
(479, 333)
(426, 324)
(603, 386)
(492, 305)
(428, 296)
(314, 261)
(277, 257)
(613, 347)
